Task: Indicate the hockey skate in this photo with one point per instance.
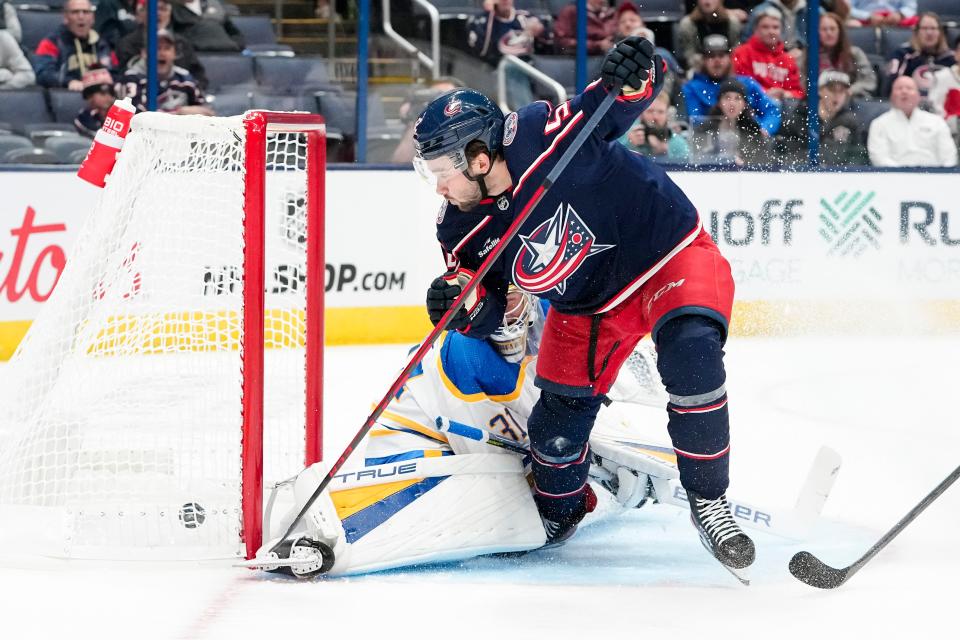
(721, 535)
(314, 544)
(300, 557)
(558, 532)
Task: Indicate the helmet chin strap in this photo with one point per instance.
(480, 179)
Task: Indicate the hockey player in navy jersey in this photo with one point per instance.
(618, 250)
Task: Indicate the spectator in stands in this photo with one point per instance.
(324, 10)
(944, 93)
(837, 53)
(206, 25)
(128, 51)
(10, 21)
(601, 26)
(412, 107)
(178, 91)
(843, 139)
(115, 19)
(906, 136)
(15, 69)
(839, 7)
(629, 23)
(883, 13)
(65, 55)
(703, 89)
(503, 30)
(654, 135)
(925, 53)
(764, 59)
(98, 91)
(709, 17)
(793, 23)
(731, 133)
(739, 9)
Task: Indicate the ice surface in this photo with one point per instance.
(885, 404)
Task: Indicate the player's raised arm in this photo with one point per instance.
(633, 66)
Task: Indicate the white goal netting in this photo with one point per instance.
(121, 416)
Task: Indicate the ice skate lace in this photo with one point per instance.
(716, 519)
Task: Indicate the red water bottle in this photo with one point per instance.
(107, 143)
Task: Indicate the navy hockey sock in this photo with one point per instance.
(690, 361)
(559, 428)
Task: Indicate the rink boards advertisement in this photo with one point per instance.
(809, 251)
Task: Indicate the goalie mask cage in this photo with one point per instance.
(177, 369)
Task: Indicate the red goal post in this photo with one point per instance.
(258, 125)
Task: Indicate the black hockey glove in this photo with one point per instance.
(444, 291)
(628, 63)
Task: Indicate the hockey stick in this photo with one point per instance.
(810, 570)
(468, 290)
(480, 435)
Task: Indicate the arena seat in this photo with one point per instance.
(232, 103)
(226, 70)
(13, 142)
(30, 156)
(292, 75)
(65, 104)
(64, 147)
(37, 25)
(948, 10)
(24, 106)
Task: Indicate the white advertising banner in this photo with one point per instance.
(788, 236)
(824, 236)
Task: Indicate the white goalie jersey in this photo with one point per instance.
(467, 381)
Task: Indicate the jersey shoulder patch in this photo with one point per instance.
(510, 129)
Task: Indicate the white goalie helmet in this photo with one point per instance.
(519, 332)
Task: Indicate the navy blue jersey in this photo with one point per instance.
(610, 222)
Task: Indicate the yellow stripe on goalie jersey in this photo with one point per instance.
(407, 423)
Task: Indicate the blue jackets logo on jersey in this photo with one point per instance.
(554, 251)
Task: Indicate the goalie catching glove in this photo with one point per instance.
(632, 64)
(444, 291)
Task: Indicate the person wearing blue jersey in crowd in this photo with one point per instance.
(702, 91)
(618, 250)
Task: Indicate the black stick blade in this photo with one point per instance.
(806, 568)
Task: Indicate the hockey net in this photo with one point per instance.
(177, 368)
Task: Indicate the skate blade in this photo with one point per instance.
(740, 574)
(272, 564)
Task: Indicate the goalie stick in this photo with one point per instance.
(810, 570)
(468, 290)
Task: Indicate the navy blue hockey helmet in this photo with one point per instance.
(452, 121)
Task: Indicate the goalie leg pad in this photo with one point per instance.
(690, 350)
(430, 510)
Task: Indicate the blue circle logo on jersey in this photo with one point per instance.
(554, 251)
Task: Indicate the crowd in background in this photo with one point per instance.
(737, 86)
(735, 91)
